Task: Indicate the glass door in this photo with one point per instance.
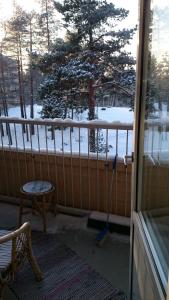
(151, 161)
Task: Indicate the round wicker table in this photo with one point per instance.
(37, 192)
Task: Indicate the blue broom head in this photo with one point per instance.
(102, 233)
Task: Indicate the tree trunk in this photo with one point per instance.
(20, 82)
(91, 116)
(4, 101)
(91, 100)
(21, 78)
(31, 80)
(65, 112)
(21, 89)
(1, 127)
(47, 24)
(71, 118)
(21, 100)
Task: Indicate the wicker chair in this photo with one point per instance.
(15, 246)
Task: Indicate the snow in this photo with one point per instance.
(76, 141)
(109, 114)
(15, 111)
(116, 114)
(156, 138)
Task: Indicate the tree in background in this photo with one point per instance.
(93, 50)
(24, 40)
(4, 81)
(88, 26)
(48, 23)
(163, 79)
(14, 43)
(34, 45)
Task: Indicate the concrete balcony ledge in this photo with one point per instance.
(118, 224)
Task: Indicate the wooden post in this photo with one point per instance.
(168, 290)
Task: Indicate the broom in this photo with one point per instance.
(103, 233)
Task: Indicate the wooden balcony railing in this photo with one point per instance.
(60, 151)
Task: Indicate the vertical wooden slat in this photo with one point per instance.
(71, 166)
(32, 157)
(89, 176)
(5, 165)
(11, 169)
(116, 175)
(80, 172)
(39, 151)
(97, 172)
(47, 152)
(56, 168)
(63, 165)
(18, 161)
(106, 176)
(25, 157)
(126, 177)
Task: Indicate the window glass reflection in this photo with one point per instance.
(155, 193)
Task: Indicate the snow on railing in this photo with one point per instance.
(83, 138)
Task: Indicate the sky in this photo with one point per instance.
(6, 9)
(132, 6)
(129, 22)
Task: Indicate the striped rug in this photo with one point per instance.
(66, 275)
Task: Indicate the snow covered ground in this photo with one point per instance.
(109, 114)
(76, 141)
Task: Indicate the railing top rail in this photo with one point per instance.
(94, 124)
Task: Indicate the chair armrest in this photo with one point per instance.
(17, 247)
(26, 227)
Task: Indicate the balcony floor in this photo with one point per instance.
(111, 260)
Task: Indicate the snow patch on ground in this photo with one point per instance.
(109, 114)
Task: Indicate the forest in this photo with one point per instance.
(82, 66)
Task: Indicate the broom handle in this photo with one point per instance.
(114, 163)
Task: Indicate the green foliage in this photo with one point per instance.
(53, 107)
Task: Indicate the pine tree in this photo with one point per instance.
(48, 23)
(3, 92)
(15, 43)
(93, 49)
(162, 75)
(21, 45)
(32, 43)
(86, 22)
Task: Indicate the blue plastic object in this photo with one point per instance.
(102, 233)
(100, 237)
